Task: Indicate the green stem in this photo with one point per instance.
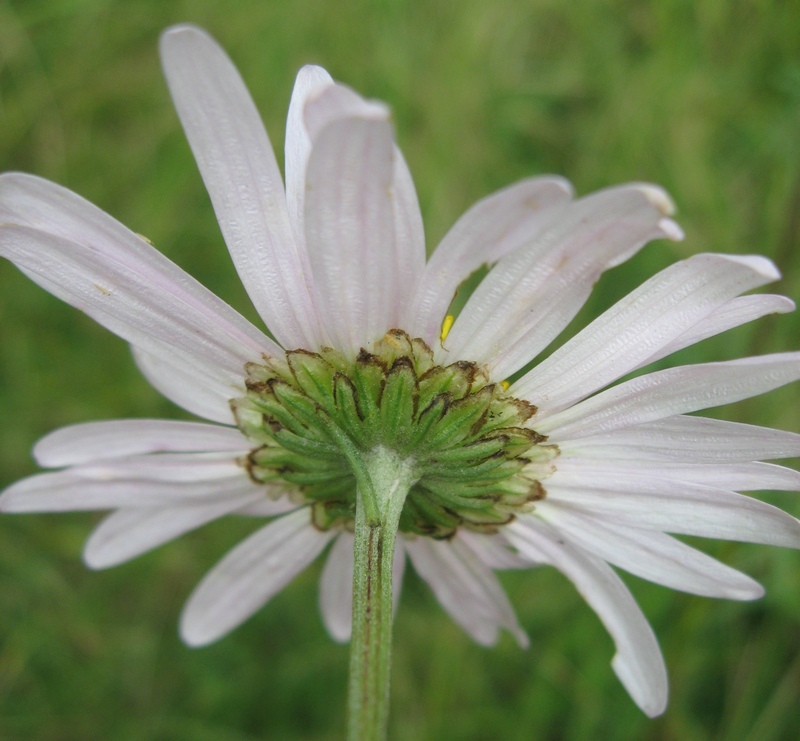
(391, 479)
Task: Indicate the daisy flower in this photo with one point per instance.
(560, 467)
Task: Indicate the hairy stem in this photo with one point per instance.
(391, 479)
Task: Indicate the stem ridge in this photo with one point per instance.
(377, 517)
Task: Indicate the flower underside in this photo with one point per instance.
(313, 414)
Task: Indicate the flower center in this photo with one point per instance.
(475, 462)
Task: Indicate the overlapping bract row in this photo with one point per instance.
(310, 413)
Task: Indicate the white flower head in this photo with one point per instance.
(560, 467)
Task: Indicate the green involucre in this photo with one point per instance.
(474, 461)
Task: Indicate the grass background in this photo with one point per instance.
(702, 97)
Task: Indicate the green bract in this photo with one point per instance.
(474, 461)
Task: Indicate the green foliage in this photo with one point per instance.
(701, 97)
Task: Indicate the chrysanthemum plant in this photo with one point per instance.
(379, 425)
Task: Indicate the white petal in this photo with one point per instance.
(189, 387)
(310, 82)
(162, 467)
(650, 555)
(93, 441)
(68, 491)
(492, 228)
(398, 570)
(636, 328)
(281, 501)
(638, 661)
(754, 476)
(669, 392)
(732, 314)
(533, 293)
(652, 502)
(405, 256)
(85, 234)
(153, 306)
(466, 588)
(241, 175)
(128, 533)
(339, 103)
(750, 476)
(249, 575)
(349, 218)
(688, 439)
(336, 589)
(336, 585)
(494, 550)
(409, 242)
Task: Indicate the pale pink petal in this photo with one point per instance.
(652, 502)
(669, 392)
(466, 588)
(638, 661)
(732, 314)
(274, 501)
(241, 175)
(339, 103)
(649, 554)
(640, 325)
(492, 228)
(409, 240)
(133, 305)
(405, 256)
(532, 294)
(687, 439)
(747, 476)
(249, 575)
(189, 387)
(336, 585)
(349, 217)
(68, 491)
(92, 441)
(494, 550)
(336, 589)
(163, 467)
(310, 82)
(128, 533)
(88, 259)
(323, 103)
(398, 570)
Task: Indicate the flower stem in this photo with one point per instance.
(377, 516)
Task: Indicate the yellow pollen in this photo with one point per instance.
(446, 325)
(505, 385)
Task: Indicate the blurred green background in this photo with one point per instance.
(702, 97)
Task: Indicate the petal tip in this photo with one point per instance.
(95, 561)
(750, 593)
(182, 29)
(650, 693)
(565, 185)
(194, 633)
(658, 197)
(181, 35)
(522, 638)
(338, 633)
(671, 230)
(313, 73)
(760, 264)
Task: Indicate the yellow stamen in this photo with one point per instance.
(446, 325)
(505, 385)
